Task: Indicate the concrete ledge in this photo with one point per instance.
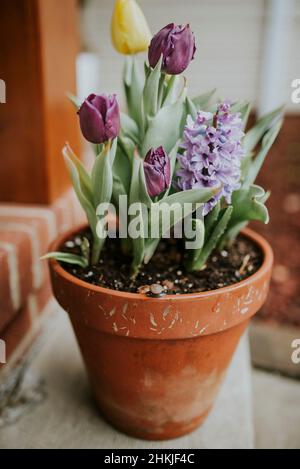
(271, 346)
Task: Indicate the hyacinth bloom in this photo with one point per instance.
(177, 46)
(129, 29)
(157, 171)
(212, 153)
(99, 118)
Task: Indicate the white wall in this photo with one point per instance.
(229, 34)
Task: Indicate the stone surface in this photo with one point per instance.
(276, 411)
(64, 415)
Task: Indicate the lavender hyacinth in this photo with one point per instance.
(213, 153)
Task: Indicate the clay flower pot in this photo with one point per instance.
(156, 364)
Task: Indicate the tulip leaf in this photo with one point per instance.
(85, 202)
(201, 102)
(74, 100)
(161, 224)
(102, 176)
(190, 108)
(170, 84)
(151, 90)
(138, 244)
(255, 134)
(144, 196)
(129, 127)
(193, 196)
(133, 85)
(122, 168)
(69, 258)
(164, 129)
(213, 239)
(85, 180)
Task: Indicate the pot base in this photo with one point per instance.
(169, 432)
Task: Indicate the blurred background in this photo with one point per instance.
(246, 49)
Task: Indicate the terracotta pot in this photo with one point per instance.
(156, 364)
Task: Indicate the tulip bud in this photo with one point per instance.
(157, 171)
(129, 29)
(99, 118)
(177, 46)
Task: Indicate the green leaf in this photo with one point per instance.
(164, 128)
(194, 196)
(190, 108)
(201, 102)
(159, 225)
(255, 134)
(67, 257)
(85, 249)
(213, 240)
(129, 127)
(122, 168)
(144, 196)
(74, 100)
(210, 220)
(248, 204)
(133, 85)
(169, 94)
(138, 244)
(258, 161)
(198, 227)
(150, 92)
(85, 180)
(102, 176)
(85, 202)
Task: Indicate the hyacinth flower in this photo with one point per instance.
(212, 153)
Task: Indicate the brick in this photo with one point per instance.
(15, 277)
(16, 331)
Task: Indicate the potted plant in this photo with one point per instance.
(162, 282)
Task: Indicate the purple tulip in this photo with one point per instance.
(157, 171)
(177, 46)
(99, 118)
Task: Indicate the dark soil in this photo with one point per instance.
(165, 274)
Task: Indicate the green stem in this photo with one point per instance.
(96, 250)
(161, 89)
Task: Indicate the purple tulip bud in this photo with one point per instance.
(99, 118)
(177, 46)
(157, 170)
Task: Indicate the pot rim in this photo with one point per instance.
(249, 233)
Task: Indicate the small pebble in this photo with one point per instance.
(169, 285)
(78, 241)
(224, 253)
(70, 244)
(144, 289)
(179, 272)
(156, 289)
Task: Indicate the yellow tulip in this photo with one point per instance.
(129, 29)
